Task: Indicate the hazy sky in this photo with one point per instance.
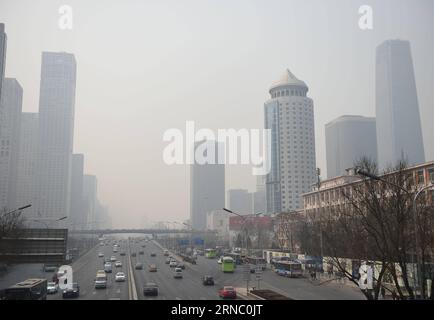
(146, 66)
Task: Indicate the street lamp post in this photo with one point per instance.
(18, 209)
(417, 271)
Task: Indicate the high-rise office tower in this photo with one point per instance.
(27, 162)
(207, 186)
(3, 46)
(259, 196)
(239, 201)
(78, 219)
(289, 115)
(10, 122)
(399, 133)
(56, 128)
(348, 139)
(90, 194)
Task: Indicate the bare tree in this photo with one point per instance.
(374, 221)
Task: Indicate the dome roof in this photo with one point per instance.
(288, 79)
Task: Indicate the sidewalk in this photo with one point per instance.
(242, 293)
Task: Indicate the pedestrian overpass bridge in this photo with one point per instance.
(142, 231)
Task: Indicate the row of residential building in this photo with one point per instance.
(394, 134)
(37, 165)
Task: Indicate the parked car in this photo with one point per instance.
(207, 280)
(153, 254)
(227, 293)
(71, 292)
(122, 253)
(150, 289)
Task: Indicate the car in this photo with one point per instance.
(166, 252)
(118, 264)
(219, 261)
(52, 287)
(71, 292)
(122, 253)
(173, 264)
(207, 280)
(120, 277)
(153, 254)
(152, 268)
(112, 258)
(180, 265)
(178, 273)
(227, 293)
(139, 266)
(150, 289)
(108, 267)
(134, 254)
(143, 246)
(141, 252)
(100, 255)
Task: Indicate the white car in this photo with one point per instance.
(118, 264)
(173, 264)
(112, 258)
(52, 287)
(100, 255)
(178, 273)
(120, 276)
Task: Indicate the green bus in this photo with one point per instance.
(228, 264)
(210, 253)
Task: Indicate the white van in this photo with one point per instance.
(101, 280)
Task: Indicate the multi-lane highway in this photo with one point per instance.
(188, 288)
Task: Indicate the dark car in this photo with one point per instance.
(153, 254)
(122, 253)
(180, 265)
(208, 281)
(134, 254)
(150, 289)
(71, 292)
(139, 266)
(141, 252)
